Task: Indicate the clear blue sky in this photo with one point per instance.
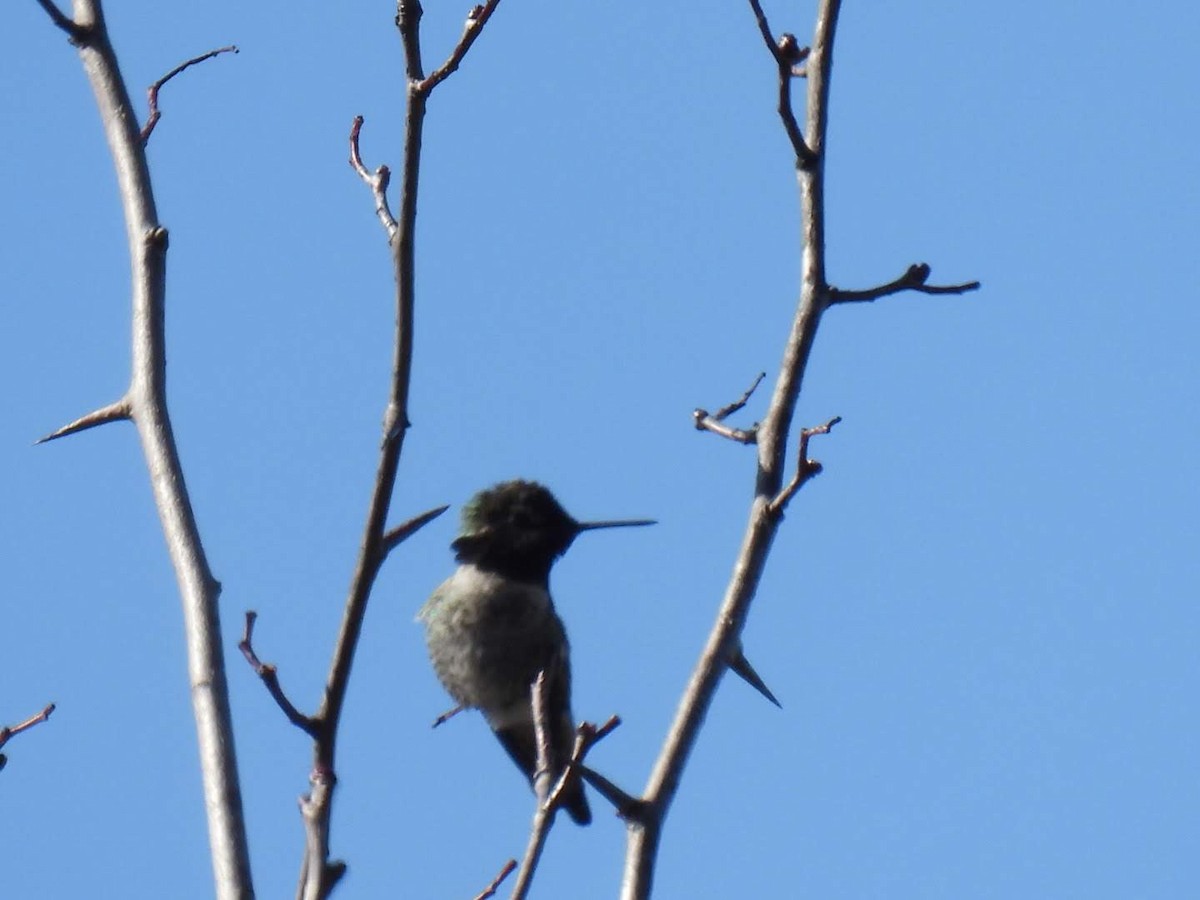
(982, 620)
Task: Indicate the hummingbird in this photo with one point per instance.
(491, 627)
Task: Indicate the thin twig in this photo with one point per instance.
(8, 732)
(490, 890)
(270, 679)
(587, 736)
(476, 19)
(152, 91)
(806, 469)
(787, 54)
(706, 421)
(913, 279)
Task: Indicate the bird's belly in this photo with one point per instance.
(488, 656)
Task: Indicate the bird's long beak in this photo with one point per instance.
(615, 523)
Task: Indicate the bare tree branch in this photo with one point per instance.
(152, 91)
(147, 405)
(913, 279)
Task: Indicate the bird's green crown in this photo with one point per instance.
(516, 527)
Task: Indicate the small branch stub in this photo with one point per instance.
(714, 422)
(805, 468)
(270, 679)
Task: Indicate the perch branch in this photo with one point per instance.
(448, 715)
(152, 91)
(550, 795)
(915, 278)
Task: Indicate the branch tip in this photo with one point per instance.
(915, 278)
